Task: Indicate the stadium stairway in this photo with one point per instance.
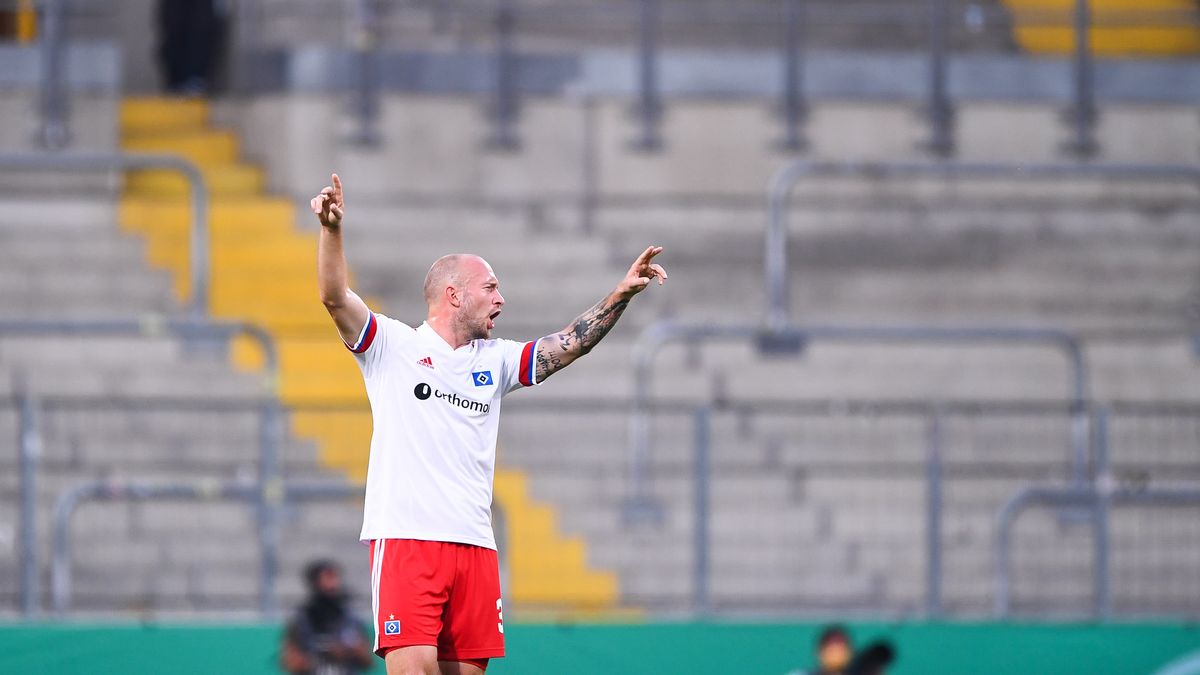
(263, 272)
(1157, 28)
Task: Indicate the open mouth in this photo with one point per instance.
(492, 319)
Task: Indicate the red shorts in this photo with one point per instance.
(437, 593)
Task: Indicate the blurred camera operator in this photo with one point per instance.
(323, 638)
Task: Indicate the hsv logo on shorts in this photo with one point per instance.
(391, 627)
(483, 378)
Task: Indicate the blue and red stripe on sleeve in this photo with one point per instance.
(366, 337)
(525, 374)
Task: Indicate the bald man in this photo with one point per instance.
(435, 394)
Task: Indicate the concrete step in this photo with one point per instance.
(207, 147)
(547, 258)
(50, 248)
(94, 303)
(998, 291)
(200, 380)
(854, 209)
(80, 440)
(187, 522)
(133, 453)
(221, 180)
(473, 217)
(103, 351)
(155, 115)
(567, 25)
(51, 282)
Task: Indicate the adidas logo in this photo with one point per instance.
(427, 362)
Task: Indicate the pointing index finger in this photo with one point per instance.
(649, 253)
(337, 187)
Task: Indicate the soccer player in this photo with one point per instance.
(435, 394)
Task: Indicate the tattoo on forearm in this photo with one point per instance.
(579, 338)
(594, 324)
(549, 361)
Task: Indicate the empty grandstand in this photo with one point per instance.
(971, 392)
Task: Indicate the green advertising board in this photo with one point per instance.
(634, 649)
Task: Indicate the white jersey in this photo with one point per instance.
(436, 413)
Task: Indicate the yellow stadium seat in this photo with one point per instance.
(1120, 27)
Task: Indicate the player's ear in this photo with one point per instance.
(452, 296)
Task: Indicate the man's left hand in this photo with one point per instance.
(641, 272)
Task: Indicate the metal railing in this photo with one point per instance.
(152, 325)
(943, 465)
(282, 494)
(783, 182)
(924, 481)
(54, 132)
(649, 19)
(199, 232)
(188, 330)
(289, 494)
(1099, 497)
(779, 330)
(792, 339)
(794, 22)
(652, 17)
(702, 553)
(939, 110)
(933, 476)
(1099, 500)
(504, 108)
(269, 493)
(366, 58)
(955, 454)
(794, 108)
(1082, 113)
(29, 453)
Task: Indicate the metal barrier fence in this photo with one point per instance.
(776, 267)
(1144, 483)
(903, 504)
(793, 339)
(53, 104)
(159, 476)
(189, 331)
(887, 508)
(199, 234)
(650, 20)
(286, 494)
(792, 21)
(890, 507)
(165, 483)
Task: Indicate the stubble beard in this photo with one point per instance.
(470, 328)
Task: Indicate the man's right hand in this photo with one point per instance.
(348, 310)
(329, 205)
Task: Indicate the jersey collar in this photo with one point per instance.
(430, 335)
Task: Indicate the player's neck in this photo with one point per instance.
(445, 327)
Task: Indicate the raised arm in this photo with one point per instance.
(559, 350)
(348, 310)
